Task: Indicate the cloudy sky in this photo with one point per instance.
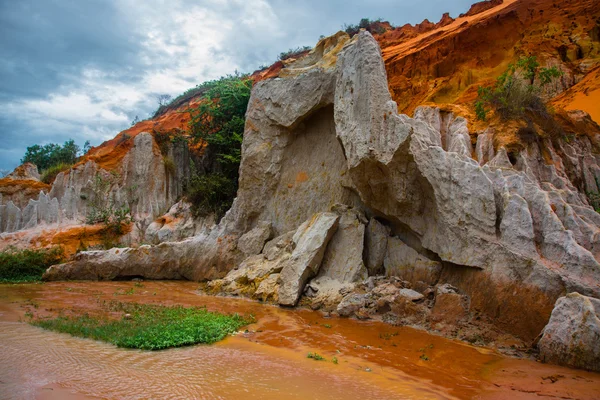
(83, 69)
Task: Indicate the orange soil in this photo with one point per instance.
(583, 96)
(444, 63)
(21, 191)
(70, 238)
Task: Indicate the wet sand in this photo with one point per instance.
(375, 360)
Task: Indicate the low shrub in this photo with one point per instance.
(293, 53)
(516, 93)
(27, 265)
(211, 193)
(149, 327)
(49, 175)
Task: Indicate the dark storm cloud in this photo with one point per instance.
(84, 69)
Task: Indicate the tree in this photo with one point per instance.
(51, 154)
(163, 99)
(219, 121)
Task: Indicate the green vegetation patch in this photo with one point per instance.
(149, 327)
(18, 266)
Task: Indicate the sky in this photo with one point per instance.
(84, 69)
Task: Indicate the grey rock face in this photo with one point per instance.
(253, 241)
(572, 336)
(376, 239)
(141, 183)
(310, 239)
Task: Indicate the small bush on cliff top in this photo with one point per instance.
(516, 93)
(27, 265)
(150, 327)
(292, 53)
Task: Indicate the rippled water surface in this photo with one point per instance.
(376, 361)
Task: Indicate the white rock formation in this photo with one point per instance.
(330, 134)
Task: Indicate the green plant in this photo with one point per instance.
(516, 93)
(294, 52)
(374, 26)
(27, 265)
(51, 154)
(219, 121)
(49, 174)
(594, 198)
(149, 327)
(169, 164)
(334, 360)
(315, 356)
(212, 193)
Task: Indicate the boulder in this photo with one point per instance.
(351, 304)
(310, 240)
(268, 289)
(343, 258)
(253, 241)
(572, 336)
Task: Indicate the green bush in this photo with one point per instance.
(211, 194)
(293, 53)
(149, 327)
(52, 154)
(374, 26)
(516, 93)
(49, 174)
(27, 265)
(219, 121)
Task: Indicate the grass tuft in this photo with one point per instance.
(149, 327)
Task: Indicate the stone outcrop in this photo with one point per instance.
(140, 182)
(572, 336)
(326, 145)
(310, 242)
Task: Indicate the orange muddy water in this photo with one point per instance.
(375, 360)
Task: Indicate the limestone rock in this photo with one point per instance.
(351, 304)
(177, 224)
(572, 336)
(279, 245)
(253, 241)
(268, 289)
(411, 295)
(311, 240)
(207, 256)
(25, 171)
(376, 239)
(343, 258)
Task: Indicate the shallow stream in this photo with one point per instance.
(375, 360)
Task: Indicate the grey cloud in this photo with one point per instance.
(104, 49)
